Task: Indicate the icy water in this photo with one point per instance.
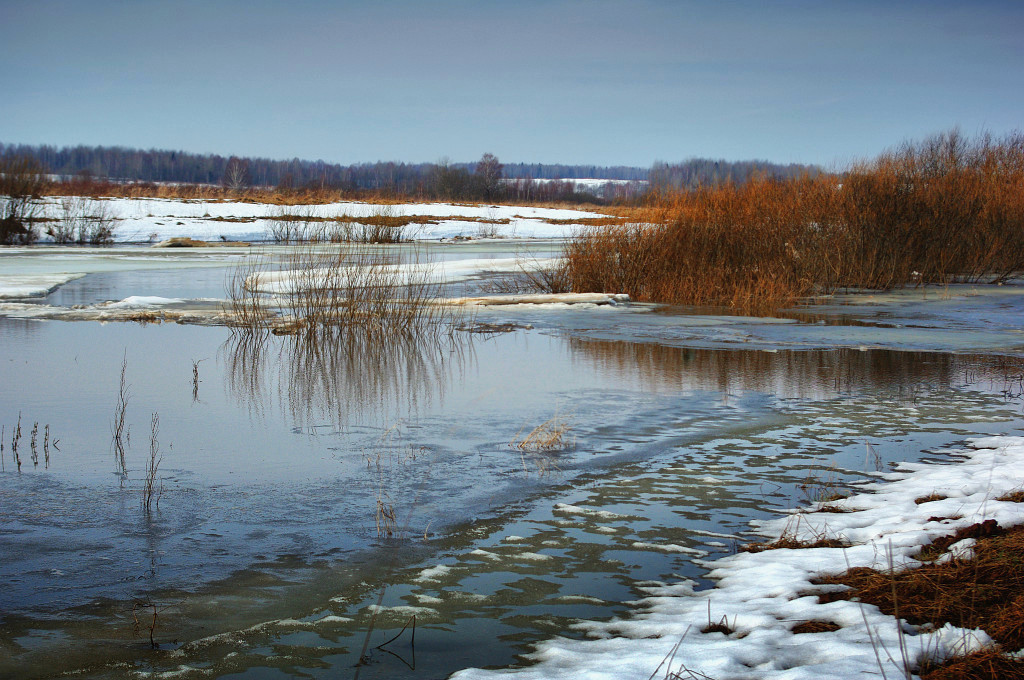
(314, 500)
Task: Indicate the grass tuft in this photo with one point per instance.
(816, 627)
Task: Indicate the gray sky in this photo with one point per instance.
(596, 82)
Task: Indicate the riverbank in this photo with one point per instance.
(752, 623)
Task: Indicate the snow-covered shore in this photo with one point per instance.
(763, 595)
(137, 220)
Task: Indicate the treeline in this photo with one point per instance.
(154, 165)
(454, 181)
(705, 172)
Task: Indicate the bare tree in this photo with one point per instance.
(236, 174)
(489, 171)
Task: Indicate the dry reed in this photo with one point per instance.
(943, 210)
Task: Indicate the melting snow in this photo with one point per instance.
(762, 596)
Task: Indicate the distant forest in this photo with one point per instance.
(153, 165)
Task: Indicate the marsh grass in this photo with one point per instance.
(983, 591)
(944, 210)
(339, 286)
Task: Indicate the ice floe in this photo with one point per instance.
(17, 286)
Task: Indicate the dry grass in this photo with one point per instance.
(540, 444)
(985, 592)
(816, 627)
(823, 538)
(338, 286)
(1013, 496)
(551, 435)
(946, 209)
(935, 496)
(988, 664)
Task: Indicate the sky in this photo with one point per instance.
(580, 82)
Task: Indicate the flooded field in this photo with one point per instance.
(345, 507)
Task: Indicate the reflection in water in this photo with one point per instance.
(814, 374)
(341, 374)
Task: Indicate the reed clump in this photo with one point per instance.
(947, 209)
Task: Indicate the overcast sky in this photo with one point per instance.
(607, 83)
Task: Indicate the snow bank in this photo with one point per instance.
(762, 596)
(142, 301)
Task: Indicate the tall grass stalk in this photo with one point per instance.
(150, 495)
(120, 434)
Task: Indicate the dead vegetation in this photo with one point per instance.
(539, 445)
(551, 435)
(815, 627)
(985, 591)
(120, 431)
(935, 496)
(338, 286)
(822, 538)
(944, 210)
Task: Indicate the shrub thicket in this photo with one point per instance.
(944, 210)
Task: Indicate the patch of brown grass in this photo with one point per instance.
(792, 543)
(1013, 497)
(987, 664)
(931, 497)
(816, 627)
(986, 592)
